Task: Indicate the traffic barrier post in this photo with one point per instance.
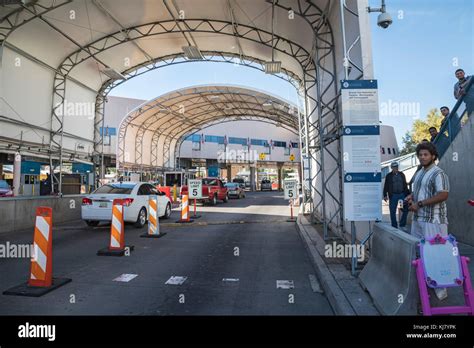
(41, 279)
(184, 210)
(117, 232)
(153, 230)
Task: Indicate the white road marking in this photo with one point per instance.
(315, 285)
(176, 280)
(285, 284)
(125, 277)
(230, 279)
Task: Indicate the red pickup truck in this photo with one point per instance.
(212, 190)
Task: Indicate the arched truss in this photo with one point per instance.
(174, 115)
(319, 126)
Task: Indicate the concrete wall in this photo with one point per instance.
(19, 213)
(458, 163)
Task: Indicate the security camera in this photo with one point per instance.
(384, 20)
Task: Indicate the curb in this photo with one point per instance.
(334, 293)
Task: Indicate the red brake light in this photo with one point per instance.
(86, 201)
(127, 202)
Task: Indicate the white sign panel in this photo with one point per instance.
(290, 189)
(362, 201)
(361, 151)
(195, 188)
(442, 263)
(360, 105)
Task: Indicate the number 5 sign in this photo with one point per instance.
(195, 188)
(290, 189)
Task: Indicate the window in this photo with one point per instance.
(287, 151)
(115, 188)
(144, 190)
(393, 149)
(196, 146)
(279, 143)
(241, 141)
(388, 149)
(383, 151)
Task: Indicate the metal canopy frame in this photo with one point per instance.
(319, 125)
(199, 112)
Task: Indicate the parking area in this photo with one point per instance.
(241, 257)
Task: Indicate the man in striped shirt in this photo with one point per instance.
(428, 199)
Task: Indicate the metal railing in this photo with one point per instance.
(452, 123)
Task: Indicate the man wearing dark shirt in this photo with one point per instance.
(396, 189)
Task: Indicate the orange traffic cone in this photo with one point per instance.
(41, 279)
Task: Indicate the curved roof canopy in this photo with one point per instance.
(154, 129)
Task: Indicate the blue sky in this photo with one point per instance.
(414, 61)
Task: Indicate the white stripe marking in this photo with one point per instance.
(117, 224)
(176, 280)
(42, 226)
(285, 284)
(40, 258)
(230, 279)
(126, 277)
(114, 242)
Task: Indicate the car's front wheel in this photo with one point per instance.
(141, 219)
(167, 211)
(214, 200)
(226, 198)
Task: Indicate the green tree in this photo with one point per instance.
(420, 131)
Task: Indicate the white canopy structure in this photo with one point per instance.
(150, 135)
(60, 59)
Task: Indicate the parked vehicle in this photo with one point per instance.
(240, 181)
(265, 185)
(97, 206)
(235, 190)
(212, 190)
(5, 189)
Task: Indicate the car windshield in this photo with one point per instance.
(115, 189)
(231, 185)
(265, 181)
(238, 180)
(209, 182)
(4, 184)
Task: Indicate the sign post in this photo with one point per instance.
(290, 192)
(361, 153)
(195, 192)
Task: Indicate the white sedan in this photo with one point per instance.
(97, 206)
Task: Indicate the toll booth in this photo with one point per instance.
(30, 178)
(86, 176)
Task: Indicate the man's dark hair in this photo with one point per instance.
(444, 107)
(425, 140)
(427, 146)
(458, 70)
(432, 128)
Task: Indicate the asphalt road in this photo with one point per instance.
(246, 241)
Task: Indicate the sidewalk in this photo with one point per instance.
(344, 291)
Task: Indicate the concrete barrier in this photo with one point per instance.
(389, 276)
(19, 213)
